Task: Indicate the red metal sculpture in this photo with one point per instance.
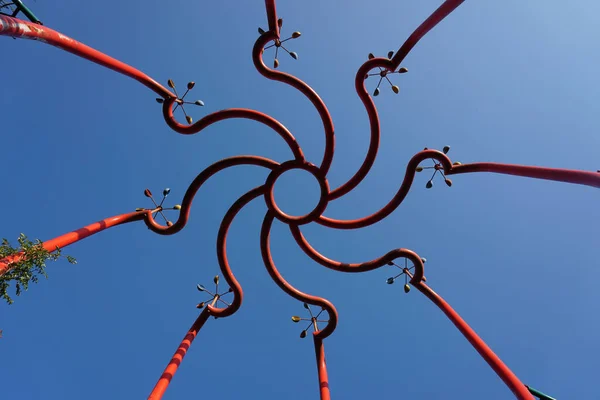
(381, 66)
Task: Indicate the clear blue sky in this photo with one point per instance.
(503, 81)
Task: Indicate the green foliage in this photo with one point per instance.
(28, 267)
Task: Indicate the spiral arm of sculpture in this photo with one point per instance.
(16, 28)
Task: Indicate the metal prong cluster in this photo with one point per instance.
(406, 271)
(383, 74)
(313, 320)
(158, 207)
(181, 100)
(437, 167)
(215, 297)
(279, 44)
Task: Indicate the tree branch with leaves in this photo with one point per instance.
(29, 263)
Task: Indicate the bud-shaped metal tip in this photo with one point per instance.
(169, 223)
(423, 260)
(390, 263)
(216, 279)
(147, 193)
(200, 288)
(159, 100)
(199, 103)
(200, 305)
(294, 55)
(448, 182)
(166, 192)
(261, 30)
(371, 56)
(275, 63)
(139, 209)
(457, 163)
(366, 76)
(396, 89)
(376, 92)
(177, 207)
(429, 185)
(419, 169)
(296, 35)
(280, 22)
(390, 54)
(302, 334)
(171, 84)
(403, 70)
(305, 306)
(406, 288)
(446, 149)
(296, 318)
(189, 119)
(191, 85)
(389, 281)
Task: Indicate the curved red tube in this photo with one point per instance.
(228, 114)
(76, 236)
(27, 30)
(555, 174)
(398, 197)
(265, 250)
(443, 11)
(257, 52)
(233, 283)
(196, 184)
(356, 267)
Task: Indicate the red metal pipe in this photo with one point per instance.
(443, 11)
(272, 16)
(17, 28)
(324, 391)
(233, 283)
(167, 375)
(265, 248)
(552, 174)
(555, 174)
(507, 376)
(317, 102)
(188, 198)
(438, 15)
(231, 113)
(75, 236)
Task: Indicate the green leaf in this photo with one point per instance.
(30, 262)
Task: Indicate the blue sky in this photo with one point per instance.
(503, 81)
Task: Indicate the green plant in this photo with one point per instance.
(29, 262)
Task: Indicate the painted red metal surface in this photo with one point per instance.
(167, 376)
(322, 369)
(508, 377)
(28, 30)
(16, 28)
(76, 236)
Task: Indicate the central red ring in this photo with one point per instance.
(314, 171)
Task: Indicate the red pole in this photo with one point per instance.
(509, 378)
(322, 369)
(75, 236)
(27, 30)
(165, 378)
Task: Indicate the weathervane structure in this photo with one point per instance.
(322, 316)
